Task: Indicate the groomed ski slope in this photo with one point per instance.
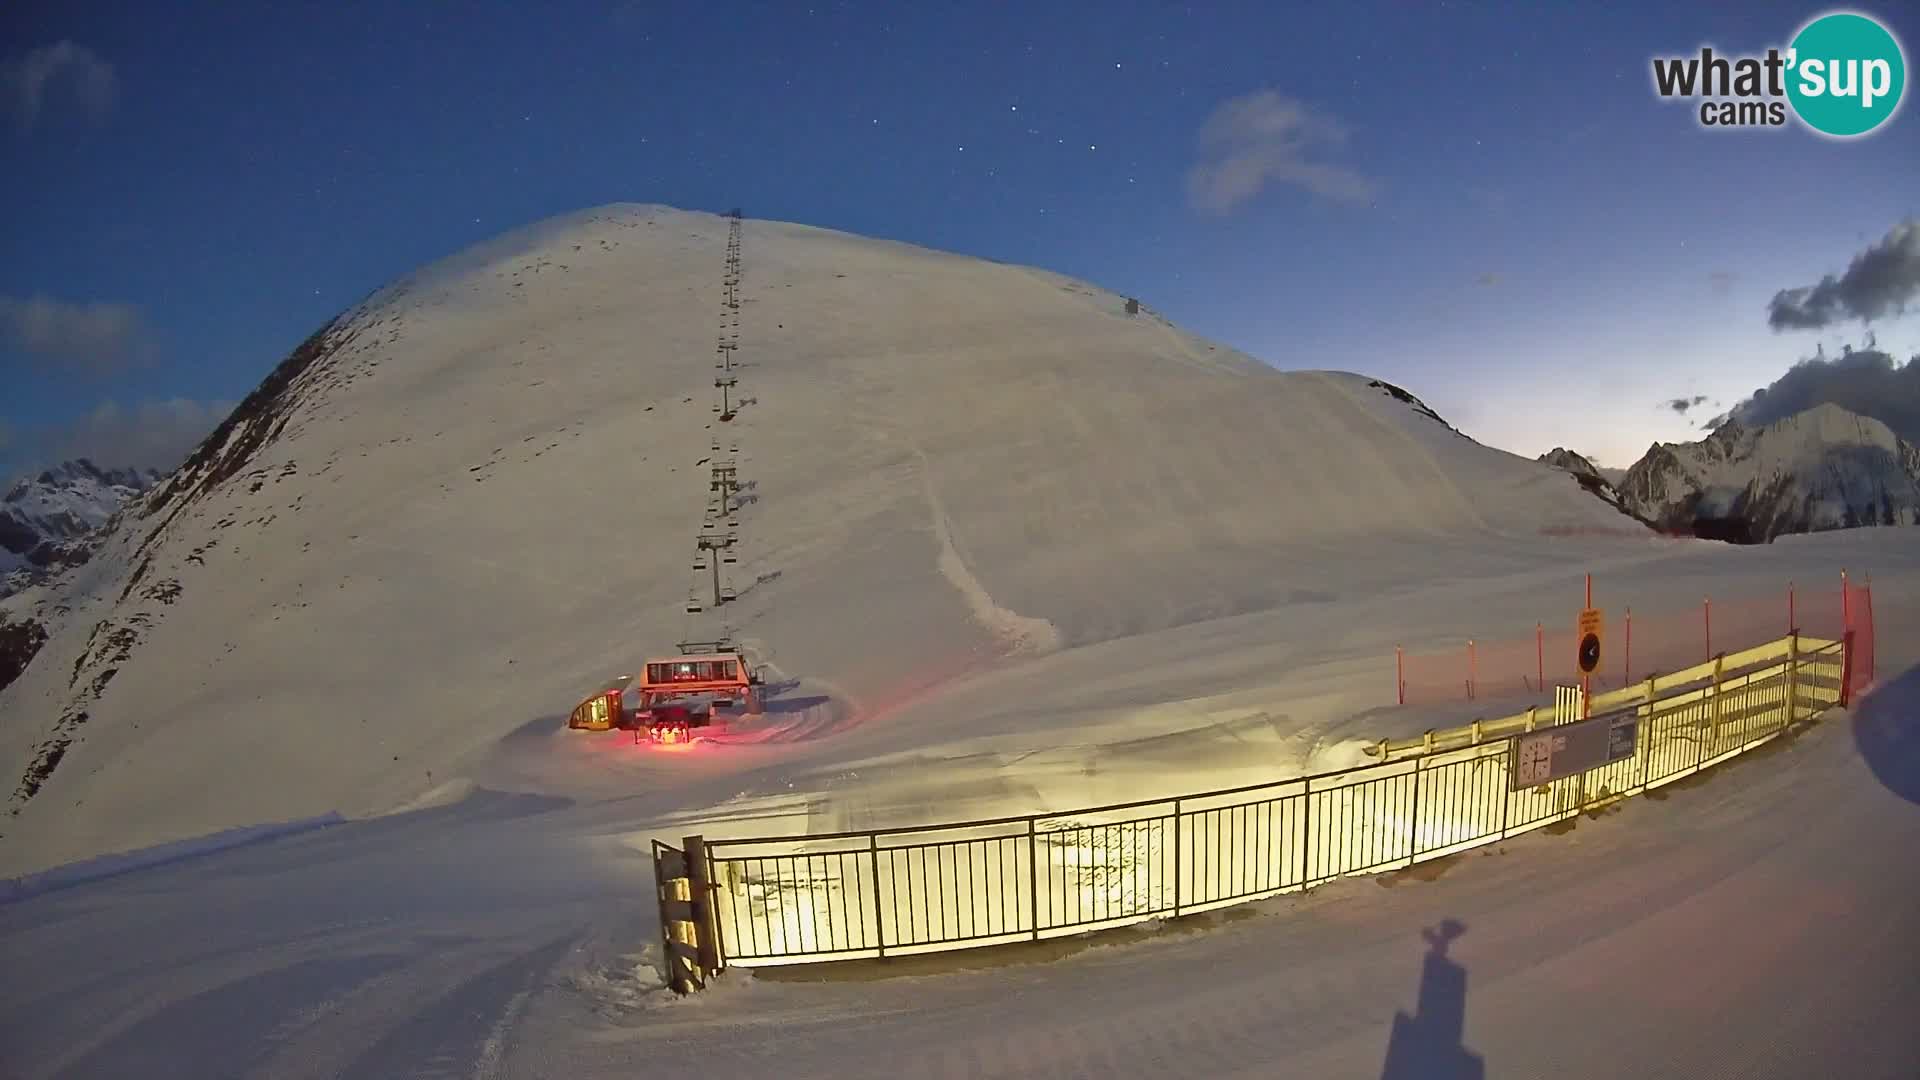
(480, 499)
(1757, 924)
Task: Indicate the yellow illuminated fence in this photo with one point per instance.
(785, 900)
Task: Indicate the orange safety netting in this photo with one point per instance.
(1859, 620)
(1635, 644)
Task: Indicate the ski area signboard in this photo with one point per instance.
(1541, 757)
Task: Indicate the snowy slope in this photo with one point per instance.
(40, 514)
(474, 496)
(501, 937)
(1825, 468)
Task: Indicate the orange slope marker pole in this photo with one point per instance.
(1539, 658)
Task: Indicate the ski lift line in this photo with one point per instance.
(719, 532)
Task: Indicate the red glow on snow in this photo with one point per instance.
(918, 685)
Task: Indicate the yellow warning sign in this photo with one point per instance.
(1592, 633)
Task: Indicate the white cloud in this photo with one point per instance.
(1265, 138)
(27, 79)
(1866, 381)
(92, 338)
(150, 435)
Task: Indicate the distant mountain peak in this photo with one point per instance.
(1819, 469)
(1562, 458)
(78, 473)
(1589, 476)
(45, 519)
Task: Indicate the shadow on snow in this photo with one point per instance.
(1428, 1044)
(1886, 731)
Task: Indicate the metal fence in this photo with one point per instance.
(891, 892)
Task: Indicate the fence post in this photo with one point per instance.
(1643, 748)
(1033, 876)
(1306, 827)
(879, 917)
(1706, 604)
(1176, 858)
(1506, 787)
(1413, 827)
(1718, 661)
(700, 900)
(1793, 672)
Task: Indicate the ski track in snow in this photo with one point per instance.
(1021, 633)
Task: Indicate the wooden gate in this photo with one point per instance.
(687, 932)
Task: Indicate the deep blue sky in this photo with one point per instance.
(1514, 227)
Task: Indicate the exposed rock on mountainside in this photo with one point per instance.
(1561, 458)
(1825, 468)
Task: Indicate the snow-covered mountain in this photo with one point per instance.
(44, 517)
(469, 499)
(1825, 468)
(1562, 458)
(1589, 476)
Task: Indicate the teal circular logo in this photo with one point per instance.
(1845, 74)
